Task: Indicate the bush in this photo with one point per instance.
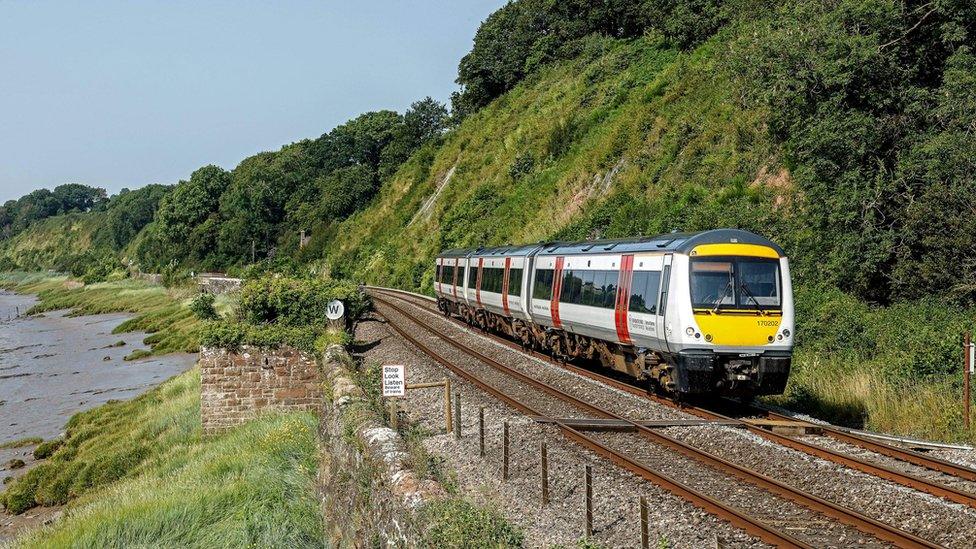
(457, 523)
(296, 302)
(203, 307)
(46, 449)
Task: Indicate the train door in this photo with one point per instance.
(662, 304)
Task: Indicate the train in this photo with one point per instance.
(693, 314)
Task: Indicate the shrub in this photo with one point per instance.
(46, 449)
(457, 523)
(296, 302)
(203, 307)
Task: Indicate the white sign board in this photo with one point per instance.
(394, 380)
(334, 310)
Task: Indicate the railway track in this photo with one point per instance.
(917, 459)
(388, 302)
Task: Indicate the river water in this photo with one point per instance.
(52, 366)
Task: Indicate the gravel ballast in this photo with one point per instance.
(930, 517)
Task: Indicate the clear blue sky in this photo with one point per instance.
(122, 94)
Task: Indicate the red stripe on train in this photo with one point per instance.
(508, 266)
(455, 277)
(623, 298)
(557, 287)
(477, 292)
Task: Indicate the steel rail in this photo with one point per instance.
(735, 516)
(902, 454)
(848, 516)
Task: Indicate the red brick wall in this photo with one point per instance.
(236, 386)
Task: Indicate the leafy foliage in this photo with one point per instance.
(296, 302)
(522, 36)
(203, 306)
(17, 215)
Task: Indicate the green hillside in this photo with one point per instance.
(840, 129)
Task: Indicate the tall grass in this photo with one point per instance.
(139, 474)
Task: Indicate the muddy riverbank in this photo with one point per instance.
(53, 365)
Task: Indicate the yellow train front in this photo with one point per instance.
(692, 313)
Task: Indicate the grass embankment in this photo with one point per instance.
(162, 312)
(138, 473)
(894, 369)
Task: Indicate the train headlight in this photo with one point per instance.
(690, 331)
(786, 333)
(708, 337)
(779, 337)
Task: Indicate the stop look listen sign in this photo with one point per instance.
(394, 380)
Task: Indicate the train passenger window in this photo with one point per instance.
(610, 290)
(586, 295)
(643, 291)
(497, 274)
(570, 291)
(515, 281)
(542, 288)
(599, 285)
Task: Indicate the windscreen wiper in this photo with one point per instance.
(721, 298)
(745, 289)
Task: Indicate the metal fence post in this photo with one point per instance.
(588, 483)
(481, 431)
(457, 415)
(505, 450)
(544, 455)
(644, 534)
(447, 404)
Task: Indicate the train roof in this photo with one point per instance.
(669, 242)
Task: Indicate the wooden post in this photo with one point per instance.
(394, 415)
(588, 482)
(481, 431)
(447, 404)
(967, 343)
(457, 416)
(544, 454)
(505, 450)
(644, 534)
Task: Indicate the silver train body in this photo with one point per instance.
(691, 313)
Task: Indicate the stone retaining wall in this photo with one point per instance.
(236, 386)
(369, 492)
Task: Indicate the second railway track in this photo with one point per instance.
(391, 302)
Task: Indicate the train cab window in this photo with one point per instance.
(515, 281)
(712, 283)
(542, 287)
(643, 291)
(759, 282)
(741, 283)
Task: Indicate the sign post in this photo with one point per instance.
(967, 371)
